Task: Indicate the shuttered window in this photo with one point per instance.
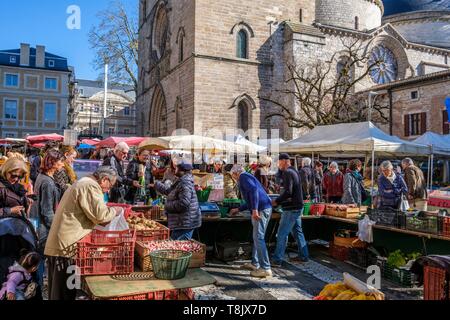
(415, 124)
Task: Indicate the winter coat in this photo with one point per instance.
(352, 189)
(291, 199)
(308, 182)
(182, 209)
(415, 181)
(133, 175)
(44, 208)
(81, 209)
(18, 279)
(118, 192)
(10, 199)
(391, 193)
(333, 184)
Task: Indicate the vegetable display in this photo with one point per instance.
(189, 246)
(139, 223)
(340, 291)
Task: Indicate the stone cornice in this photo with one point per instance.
(332, 30)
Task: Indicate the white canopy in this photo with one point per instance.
(251, 148)
(440, 144)
(353, 138)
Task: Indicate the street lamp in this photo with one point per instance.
(373, 94)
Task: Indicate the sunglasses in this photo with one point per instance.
(16, 176)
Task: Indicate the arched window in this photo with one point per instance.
(243, 116)
(158, 114)
(356, 23)
(160, 31)
(180, 42)
(242, 44)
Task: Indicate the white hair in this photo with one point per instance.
(105, 172)
(237, 169)
(122, 146)
(334, 165)
(265, 160)
(387, 165)
(408, 161)
(307, 161)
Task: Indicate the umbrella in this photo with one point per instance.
(45, 137)
(90, 142)
(154, 144)
(85, 146)
(113, 141)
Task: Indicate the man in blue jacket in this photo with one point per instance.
(258, 202)
(291, 201)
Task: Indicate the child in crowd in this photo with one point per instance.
(19, 284)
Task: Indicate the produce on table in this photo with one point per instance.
(396, 259)
(350, 289)
(139, 223)
(189, 246)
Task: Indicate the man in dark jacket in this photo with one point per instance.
(291, 201)
(182, 209)
(308, 179)
(117, 193)
(139, 169)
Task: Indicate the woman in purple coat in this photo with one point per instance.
(391, 187)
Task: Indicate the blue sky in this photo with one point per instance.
(44, 22)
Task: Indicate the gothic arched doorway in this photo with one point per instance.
(158, 114)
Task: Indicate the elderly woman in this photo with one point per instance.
(353, 187)
(307, 179)
(333, 184)
(391, 187)
(13, 200)
(181, 208)
(81, 209)
(262, 172)
(66, 176)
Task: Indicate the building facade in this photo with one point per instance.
(206, 64)
(34, 92)
(86, 114)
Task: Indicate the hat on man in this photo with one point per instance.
(184, 166)
(284, 156)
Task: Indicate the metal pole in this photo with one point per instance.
(431, 171)
(373, 176)
(369, 116)
(428, 175)
(105, 100)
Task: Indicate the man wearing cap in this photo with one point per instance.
(181, 208)
(258, 202)
(291, 201)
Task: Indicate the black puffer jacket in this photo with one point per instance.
(182, 209)
(133, 175)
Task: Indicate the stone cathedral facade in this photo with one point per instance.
(204, 64)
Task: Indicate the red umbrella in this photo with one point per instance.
(91, 142)
(113, 141)
(45, 137)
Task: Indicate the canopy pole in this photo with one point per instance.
(428, 173)
(372, 178)
(431, 171)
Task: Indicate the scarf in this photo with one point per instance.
(357, 175)
(392, 178)
(16, 188)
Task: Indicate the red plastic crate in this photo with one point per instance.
(446, 227)
(317, 209)
(338, 252)
(439, 202)
(435, 286)
(160, 295)
(126, 207)
(106, 253)
(162, 233)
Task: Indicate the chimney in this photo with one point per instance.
(24, 54)
(40, 56)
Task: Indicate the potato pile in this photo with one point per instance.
(139, 223)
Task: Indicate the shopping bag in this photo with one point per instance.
(119, 223)
(404, 204)
(365, 230)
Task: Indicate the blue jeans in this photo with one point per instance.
(260, 256)
(182, 234)
(291, 222)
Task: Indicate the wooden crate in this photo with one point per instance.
(350, 213)
(143, 260)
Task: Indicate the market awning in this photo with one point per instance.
(113, 141)
(154, 144)
(440, 144)
(251, 148)
(44, 138)
(13, 141)
(361, 137)
(91, 142)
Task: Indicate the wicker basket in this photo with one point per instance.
(170, 264)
